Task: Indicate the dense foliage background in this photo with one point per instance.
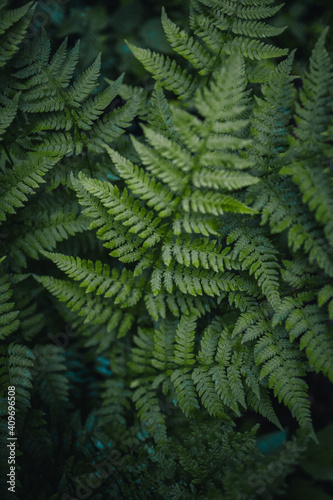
(102, 27)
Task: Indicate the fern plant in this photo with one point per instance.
(209, 298)
(217, 28)
(46, 115)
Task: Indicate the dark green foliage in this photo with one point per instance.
(166, 289)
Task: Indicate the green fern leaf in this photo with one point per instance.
(13, 27)
(16, 363)
(325, 294)
(9, 321)
(186, 46)
(23, 179)
(184, 341)
(185, 391)
(98, 277)
(165, 71)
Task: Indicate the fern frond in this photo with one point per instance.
(203, 26)
(325, 294)
(9, 321)
(208, 345)
(186, 46)
(43, 87)
(16, 364)
(223, 179)
(150, 413)
(195, 252)
(215, 21)
(85, 84)
(116, 235)
(52, 224)
(177, 302)
(227, 374)
(75, 297)
(207, 392)
(57, 103)
(168, 160)
(13, 27)
(185, 391)
(314, 111)
(184, 341)
(95, 310)
(115, 402)
(22, 180)
(113, 124)
(160, 117)
(307, 159)
(160, 167)
(263, 405)
(126, 209)
(32, 321)
(213, 203)
(255, 29)
(199, 282)
(271, 116)
(316, 188)
(142, 353)
(165, 71)
(258, 256)
(8, 113)
(298, 273)
(141, 184)
(98, 277)
(283, 365)
(277, 199)
(253, 49)
(249, 10)
(310, 322)
(251, 324)
(50, 380)
(93, 107)
(163, 346)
